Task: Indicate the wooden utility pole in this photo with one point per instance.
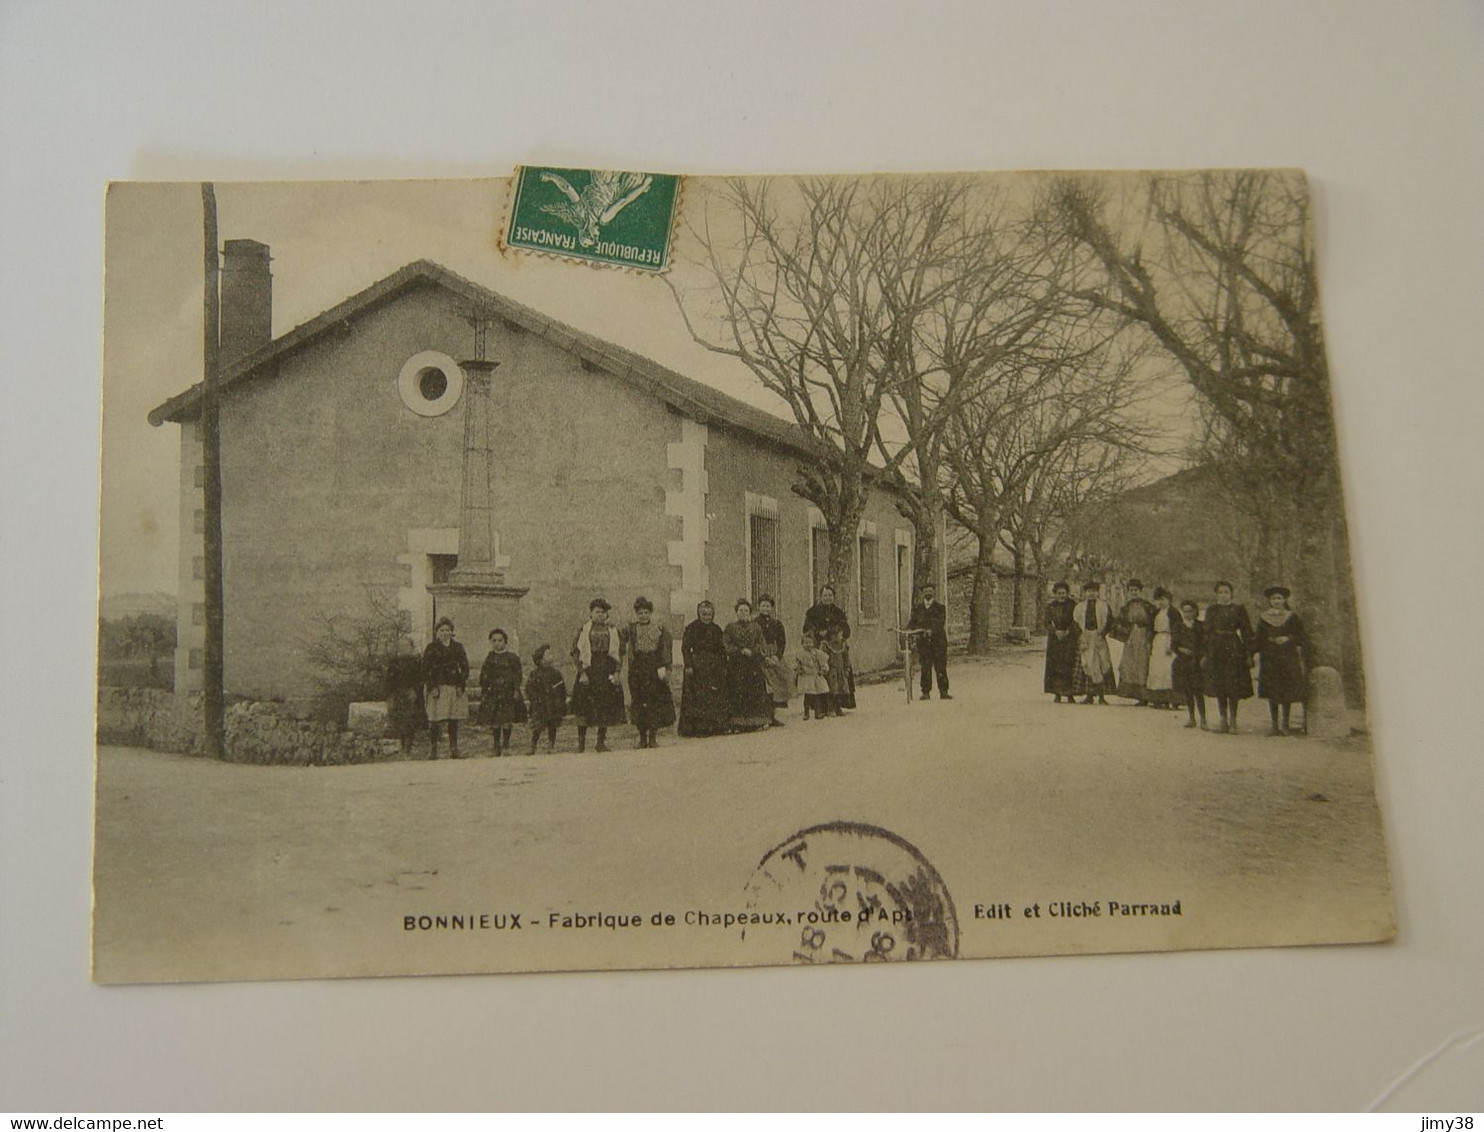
(211, 665)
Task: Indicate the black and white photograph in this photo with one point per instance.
(441, 440)
(919, 567)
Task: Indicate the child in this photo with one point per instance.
(499, 689)
(842, 680)
(1185, 673)
(811, 669)
(1282, 646)
(546, 692)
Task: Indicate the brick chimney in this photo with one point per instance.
(247, 300)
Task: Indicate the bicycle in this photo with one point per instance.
(905, 643)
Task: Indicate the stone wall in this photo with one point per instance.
(257, 732)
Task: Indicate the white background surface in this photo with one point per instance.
(1382, 103)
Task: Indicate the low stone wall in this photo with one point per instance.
(263, 733)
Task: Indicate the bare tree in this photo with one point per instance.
(1222, 276)
(1023, 447)
(971, 307)
(817, 286)
(1042, 524)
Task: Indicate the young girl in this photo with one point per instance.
(1228, 642)
(597, 693)
(1186, 639)
(445, 676)
(811, 669)
(1061, 643)
(499, 690)
(842, 680)
(651, 706)
(406, 713)
(546, 692)
(1282, 645)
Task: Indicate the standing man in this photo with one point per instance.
(932, 647)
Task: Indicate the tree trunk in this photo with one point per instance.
(981, 602)
(1017, 602)
(844, 528)
(927, 522)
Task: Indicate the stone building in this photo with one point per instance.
(366, 461)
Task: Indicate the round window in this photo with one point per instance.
(430, 383)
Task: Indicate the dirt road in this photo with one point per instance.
(208, 871)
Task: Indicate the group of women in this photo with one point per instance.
(735, 678)
(1176, 655)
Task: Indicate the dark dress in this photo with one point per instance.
(597, 699)
(650, 704)
(500, 702)
(831, 628)
(703, 693)
(546, 694)
(750, 704)
(1188, 640)
(1061, 652)
(1282, 674)
(1228, 638)
(405, 714)
(824, 618)
(775, 668)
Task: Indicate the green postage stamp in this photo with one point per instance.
(603, 216)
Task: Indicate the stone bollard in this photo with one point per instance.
(1325, 716)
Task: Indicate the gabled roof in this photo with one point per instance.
(688, 396)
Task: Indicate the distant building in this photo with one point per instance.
(365, 457)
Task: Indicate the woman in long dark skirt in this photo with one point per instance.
(1061, 643)
(776, 671)
(703, 693)
(650, 651)
(1228, 664)
(1188, 641)
(500, 702)
(747, 687)
(597, 692)
(405, 713)
(827, 623)
(1282, 648)
(1133, 629)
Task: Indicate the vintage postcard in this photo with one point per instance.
(609, 569)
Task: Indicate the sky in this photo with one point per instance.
(328, 240)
